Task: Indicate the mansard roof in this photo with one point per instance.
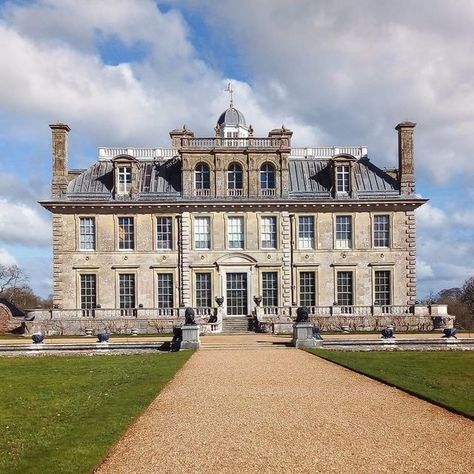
(161, 179)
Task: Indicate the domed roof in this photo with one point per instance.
(231, 116)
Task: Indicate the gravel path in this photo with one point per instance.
(270, 411)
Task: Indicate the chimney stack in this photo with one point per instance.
(60, 158)
(406, 165)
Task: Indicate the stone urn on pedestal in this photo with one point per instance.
(190, 331)
(303, 336)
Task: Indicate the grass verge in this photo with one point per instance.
(62, 414)
(444, 378)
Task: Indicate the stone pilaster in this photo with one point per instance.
(185, 247)
(410, 256)
(286, 267)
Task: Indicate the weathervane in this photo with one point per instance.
(231, 93)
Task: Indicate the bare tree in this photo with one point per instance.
(467, 295)
(12, 279)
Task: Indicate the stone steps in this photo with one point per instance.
(235, 325)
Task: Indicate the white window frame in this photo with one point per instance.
(169, 293)
(343, 179)
(343, 243)
(377, 300)
(235, 233)
(169, 233)
(388, 231)
(198, 300)
(306, 238)
(124, 179)
(85, 304)
(300, 286)
(270, 229)
(200, 230)
(135, 288)
(275, 288)
(340, 271)
(133, 242)
(83, 243)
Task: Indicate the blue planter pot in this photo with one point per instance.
(103, 337)
(387, 333)
(37, 338)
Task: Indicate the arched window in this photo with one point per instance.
(234, 177)
(202, 176)
(267, 177)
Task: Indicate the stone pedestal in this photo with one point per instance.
(190, 337)
(303, 336)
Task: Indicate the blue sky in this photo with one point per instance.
(126, 72)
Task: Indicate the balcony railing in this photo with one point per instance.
(235, 192)
(268, 192)
(202, 192)
(141, 153)
(250, 142)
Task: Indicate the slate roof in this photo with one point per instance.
(308, 177)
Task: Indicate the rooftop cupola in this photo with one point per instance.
(231, 123)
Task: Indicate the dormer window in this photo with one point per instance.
(342, 178)
(124, 179)
(202, 180)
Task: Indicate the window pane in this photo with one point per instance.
(269, 232)
(202, 232)
(165, 290)
(88, 291)
(87, 233)
(234, 177)
(164, 233)
(127, 290)
(344, 289)
(306, 232)
(381, 231)
(267, 176)
(236, 293)
(382, 288)
(126, 233)
(124, 179)
(203, 290)
(270, 288)
(307, 289)
(342, 179)
(236, 232)
(202, 177)
(343, 232)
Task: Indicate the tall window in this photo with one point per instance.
(165, 290)
(267, 179)
(306, 232)
(202, 177)
(343, 232)
(88, 291)
(234, 179)
(307, 289)
(270, 288)
(87, 233)
(124, 183)
(342, 179)
(127, 290)
(236, 232)
(382, 231)
(126, 233)
(203, 290)
(382, 291)
(269, 232)
(345, 294)
(202, 233)
(164, 233)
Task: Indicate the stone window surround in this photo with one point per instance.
(78, 227)
(209, 170)
(173, 287)
(270, 269)
(307, 268)
(173, 232)
(353, 225)
(260, 217)
(390, 267)
(193, 233)
(86, 271)
(116, 219)
(297, 231)
(244, 230)
(124, 271)
(212, 272)
(344, 267)
(390, 229)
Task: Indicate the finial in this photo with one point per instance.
(231, 93)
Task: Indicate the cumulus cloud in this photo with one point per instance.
(6, 258)
(22, 224)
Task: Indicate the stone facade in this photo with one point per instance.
(163, 183)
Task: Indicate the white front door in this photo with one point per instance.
(237, 294)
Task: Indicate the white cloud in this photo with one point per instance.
(22, 224)
(6, 258)
(423, 270)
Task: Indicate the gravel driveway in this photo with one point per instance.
(270, 411)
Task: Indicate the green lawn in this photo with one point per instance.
(62, 414)
(446, 378)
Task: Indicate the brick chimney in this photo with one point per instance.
(406, 165)
(60, 158)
